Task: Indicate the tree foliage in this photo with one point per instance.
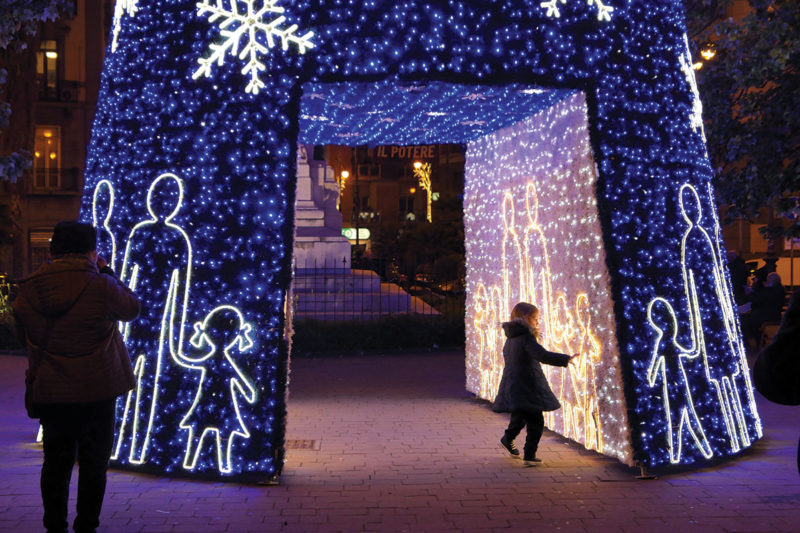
(419, 247)
(751, 99)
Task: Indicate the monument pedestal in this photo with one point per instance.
(318, 241)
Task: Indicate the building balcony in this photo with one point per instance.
(58, 181)
(62, 91)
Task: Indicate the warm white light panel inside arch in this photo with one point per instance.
(532, 233)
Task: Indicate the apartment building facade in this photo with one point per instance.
(68, 62)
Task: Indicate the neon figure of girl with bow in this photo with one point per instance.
(222, 385)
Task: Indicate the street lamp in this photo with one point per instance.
(342, 182)
(422, 171)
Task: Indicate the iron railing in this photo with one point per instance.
(371, 289)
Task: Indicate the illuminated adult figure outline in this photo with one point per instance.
(666, 362)
(727, 393)
(106, 242)
(209, 413)
(539, 291)
(534, 235)
(511, 296)
(733, 327)
(164, 243)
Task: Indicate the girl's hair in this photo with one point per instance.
(525, 311)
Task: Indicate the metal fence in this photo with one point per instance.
(369, 289)
(338, 291)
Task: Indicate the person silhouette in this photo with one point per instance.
(157, 263)
(215, 411)
(511, 258)
(666, 366)
(704, 278)
(102, 209)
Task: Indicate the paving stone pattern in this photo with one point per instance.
(399, 445)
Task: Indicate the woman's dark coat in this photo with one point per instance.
(523, 386)
(776, 371)
(74, 310)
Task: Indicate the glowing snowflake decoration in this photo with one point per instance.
(120, 9)
(235, 27)
(603, 10)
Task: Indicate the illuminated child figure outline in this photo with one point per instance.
(666, 363)
(212, 366)
(482, 323)
(109, 253)
(157, 232)
(563, 336)
(495, 337)
(488, 303)
(583, 374)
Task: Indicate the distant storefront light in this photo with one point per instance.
(350, 233)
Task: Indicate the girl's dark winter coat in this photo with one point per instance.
(523, 386)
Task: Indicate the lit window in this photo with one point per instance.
(47, 158)
(47, 68)
(39, 247)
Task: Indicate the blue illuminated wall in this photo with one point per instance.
(190, 180)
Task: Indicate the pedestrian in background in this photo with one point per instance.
(766, 305)
(66, 315)
(761, 273)
(738, 272)
(524, 391)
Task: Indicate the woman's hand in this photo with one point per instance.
(573, 358)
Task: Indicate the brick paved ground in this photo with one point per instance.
(402, 447)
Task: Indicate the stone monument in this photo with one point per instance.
(324, 286)
(318, 239)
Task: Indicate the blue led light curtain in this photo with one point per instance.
(190, 181)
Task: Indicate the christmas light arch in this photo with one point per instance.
(216, 95)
